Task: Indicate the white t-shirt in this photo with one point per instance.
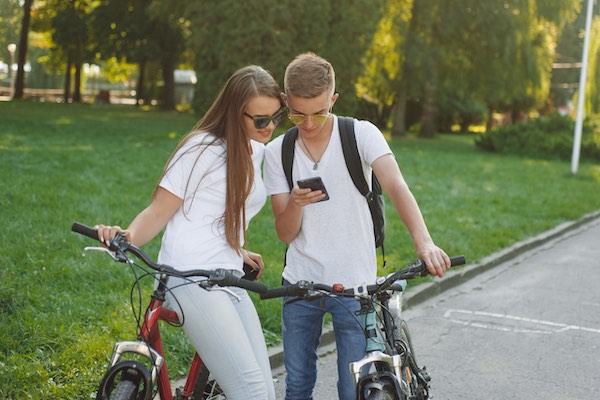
(195, 236)
(336, 241)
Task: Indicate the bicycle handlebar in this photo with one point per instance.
(221, 277)
(302, 288)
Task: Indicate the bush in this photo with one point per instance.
(545, 137)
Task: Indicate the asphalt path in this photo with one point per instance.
(522, 324)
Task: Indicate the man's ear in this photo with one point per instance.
(284, 98)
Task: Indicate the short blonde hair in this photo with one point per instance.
(309, 76)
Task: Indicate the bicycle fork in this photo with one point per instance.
(140, 361)
(388, 368)
(375, 349)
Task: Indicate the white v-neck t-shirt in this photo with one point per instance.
(336, 241)
(195, 236)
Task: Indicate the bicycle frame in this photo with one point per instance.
(131, 375)
(150, 346)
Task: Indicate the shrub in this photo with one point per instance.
(545, 137)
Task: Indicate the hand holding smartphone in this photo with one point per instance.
(315, 183)
(250, 273)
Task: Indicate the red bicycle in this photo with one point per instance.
(137, 369)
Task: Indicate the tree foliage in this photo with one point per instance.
(433, 63)
(228, 34)
(135, 32)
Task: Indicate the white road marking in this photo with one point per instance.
(551, 327)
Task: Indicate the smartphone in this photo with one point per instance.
(250, 273)
(315, 183)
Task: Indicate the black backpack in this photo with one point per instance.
(353, 163)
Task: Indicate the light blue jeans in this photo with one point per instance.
(302, 327)
(228, 337)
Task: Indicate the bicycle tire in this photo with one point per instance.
(126, 380)
(403, 334)
(125, 390)
(206, 387)
(382, 395)
(416, 379)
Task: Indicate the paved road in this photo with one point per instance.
(528, 328)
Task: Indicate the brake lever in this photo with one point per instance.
(114, 255)
(226, 290)
(206, 285)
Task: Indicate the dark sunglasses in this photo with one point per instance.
(262, 121)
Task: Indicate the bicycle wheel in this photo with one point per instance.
(206, 387)
(402, 335)
(125, 390)
(416, 379)
(381, 395)
(126, 380)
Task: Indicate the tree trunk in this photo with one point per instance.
(399, 111)
(168, 94)
(489, 124)
(22, 55)
(67, 94)
(139, 89)
(428, 119)
(77, 85)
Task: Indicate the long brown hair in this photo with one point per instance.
(225, 121)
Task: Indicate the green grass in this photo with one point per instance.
(61, 312)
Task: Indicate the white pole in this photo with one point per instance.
(581, 95)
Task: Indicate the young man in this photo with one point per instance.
(331, 241)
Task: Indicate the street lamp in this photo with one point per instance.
(11, 49)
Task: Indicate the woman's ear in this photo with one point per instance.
(334, 98)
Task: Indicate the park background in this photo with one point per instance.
(476, 98)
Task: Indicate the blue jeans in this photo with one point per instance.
(302, 327)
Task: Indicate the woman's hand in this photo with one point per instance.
(255, 261)
(107, 233)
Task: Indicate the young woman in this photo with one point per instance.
(209, 190)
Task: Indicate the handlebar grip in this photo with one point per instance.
(458, 260)
(253, 286)
(223, 277)
(284, 291)
(422, 270)
(85, 230)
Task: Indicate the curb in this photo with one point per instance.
(454, 278)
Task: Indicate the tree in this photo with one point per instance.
(458, 61)
(565, 81)
(229, 34)
(592, 104)
(222, 43)
(72, 37)
(382, 86)
(67, 24)
(146, 33)
(22, 50)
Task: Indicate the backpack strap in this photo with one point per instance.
(287, 153)
(354, 166)
(288, 148)
(352, 156)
